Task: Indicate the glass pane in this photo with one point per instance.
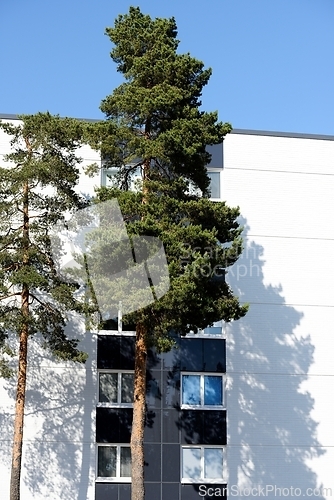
(213, 463)
(136, 176)
(125, 461)
(216, 152)
(128, 327)
(108, 385)
(191, 463)
(127, 388)
(106, 461)
(109, 177)
(213, 393)
(215, 329)
(214, 184)
(110, 324)
(191, 391)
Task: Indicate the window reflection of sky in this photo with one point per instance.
(191, 463)
(191, 390)
(212, 390)
(210, 395)
(202, 463)
(213, 463)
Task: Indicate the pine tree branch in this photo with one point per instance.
(8, 296)
(7, 247)
(48, 258)
(17, 207)
(163, 168)
(46, 305)
(39, 216)
(13, 230)
(13, 266)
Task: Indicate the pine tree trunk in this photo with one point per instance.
(19, 417)
(22, 369)
(139, 396)
(138, 422)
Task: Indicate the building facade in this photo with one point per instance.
(185, 428)
(242, 409)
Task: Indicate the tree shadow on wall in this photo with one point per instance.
(59, 450)
(271, 436)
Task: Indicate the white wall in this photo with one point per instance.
(59, 428)
(280, 368)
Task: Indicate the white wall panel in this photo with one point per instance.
(280, 356)
(59, 429)
(282, 204)
(87, 184)
(289, 154)
(286, 263)
(277, 472)
(58, 470)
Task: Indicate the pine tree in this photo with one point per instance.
(37, 189)
(155, 126)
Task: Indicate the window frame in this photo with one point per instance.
(109, 479)
(202, 406)
(203, 334)
(217, 170)
(202, 479)
(119, 330)
(107, 172)
(118, 404)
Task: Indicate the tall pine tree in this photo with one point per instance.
(37, 188)
(155, 126)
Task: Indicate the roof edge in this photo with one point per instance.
(242, 131)
(322, 137)
(7, 116)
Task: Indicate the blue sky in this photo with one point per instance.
(272, 60)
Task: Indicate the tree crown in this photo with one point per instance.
(154, 117)
(37, 188)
